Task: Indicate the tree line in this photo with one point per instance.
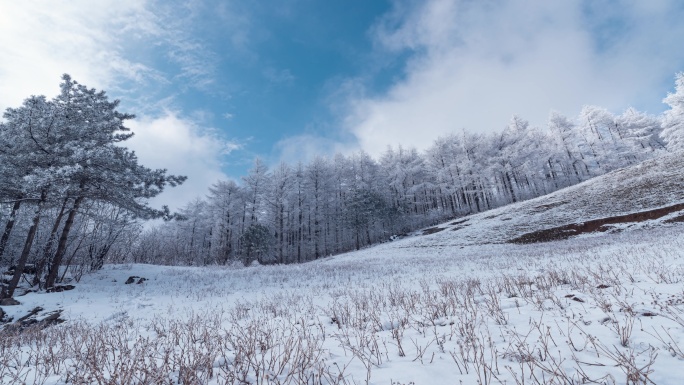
(301, 212)
(73, 197)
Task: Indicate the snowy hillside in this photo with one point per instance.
(459, 306)
(653, 184)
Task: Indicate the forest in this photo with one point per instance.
(73, 197)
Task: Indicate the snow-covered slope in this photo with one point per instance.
(653, 184)
(461, 305)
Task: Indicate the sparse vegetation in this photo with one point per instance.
(579, 312)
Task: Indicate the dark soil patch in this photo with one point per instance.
(676, 219)
(432, 230)
(549, 206)
(596, 225)
(458, 222)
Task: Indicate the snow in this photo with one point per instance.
(649, 185)
(493, 313)
(457, 306)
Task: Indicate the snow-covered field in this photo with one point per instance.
(604, 309)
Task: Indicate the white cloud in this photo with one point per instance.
(232, 145)
(474, 64)
(279, 76)
(43, 39)
(306, 147)
(183, 148)
(104, 44)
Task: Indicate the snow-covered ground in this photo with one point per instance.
(457, 306)
(606, 308)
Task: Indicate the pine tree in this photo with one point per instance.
(68, 150)
(256, 242)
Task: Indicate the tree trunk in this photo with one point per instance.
(8, 227)
(19, 270)
(281, 233)
(509, 185)
(228, 234)
(48, 246)
(61, 247)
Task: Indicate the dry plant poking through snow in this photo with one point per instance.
(604, 310)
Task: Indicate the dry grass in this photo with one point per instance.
(613, 319)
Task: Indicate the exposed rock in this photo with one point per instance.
(51, 319)
(131, 279)
(60, 288)
(24, 292)
(9, 302)
(28, 269)
(33, 320)
(33, 312)
(135, 279)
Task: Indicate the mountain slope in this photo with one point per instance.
(653, 184)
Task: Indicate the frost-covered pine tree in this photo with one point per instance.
(68, 150)
(103, 170)
(35, 165)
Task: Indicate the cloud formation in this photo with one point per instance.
(306, 147)
(43, 39)
(473, 64)
(183, 148)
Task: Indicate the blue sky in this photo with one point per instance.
(280, 82)
(217, 83)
